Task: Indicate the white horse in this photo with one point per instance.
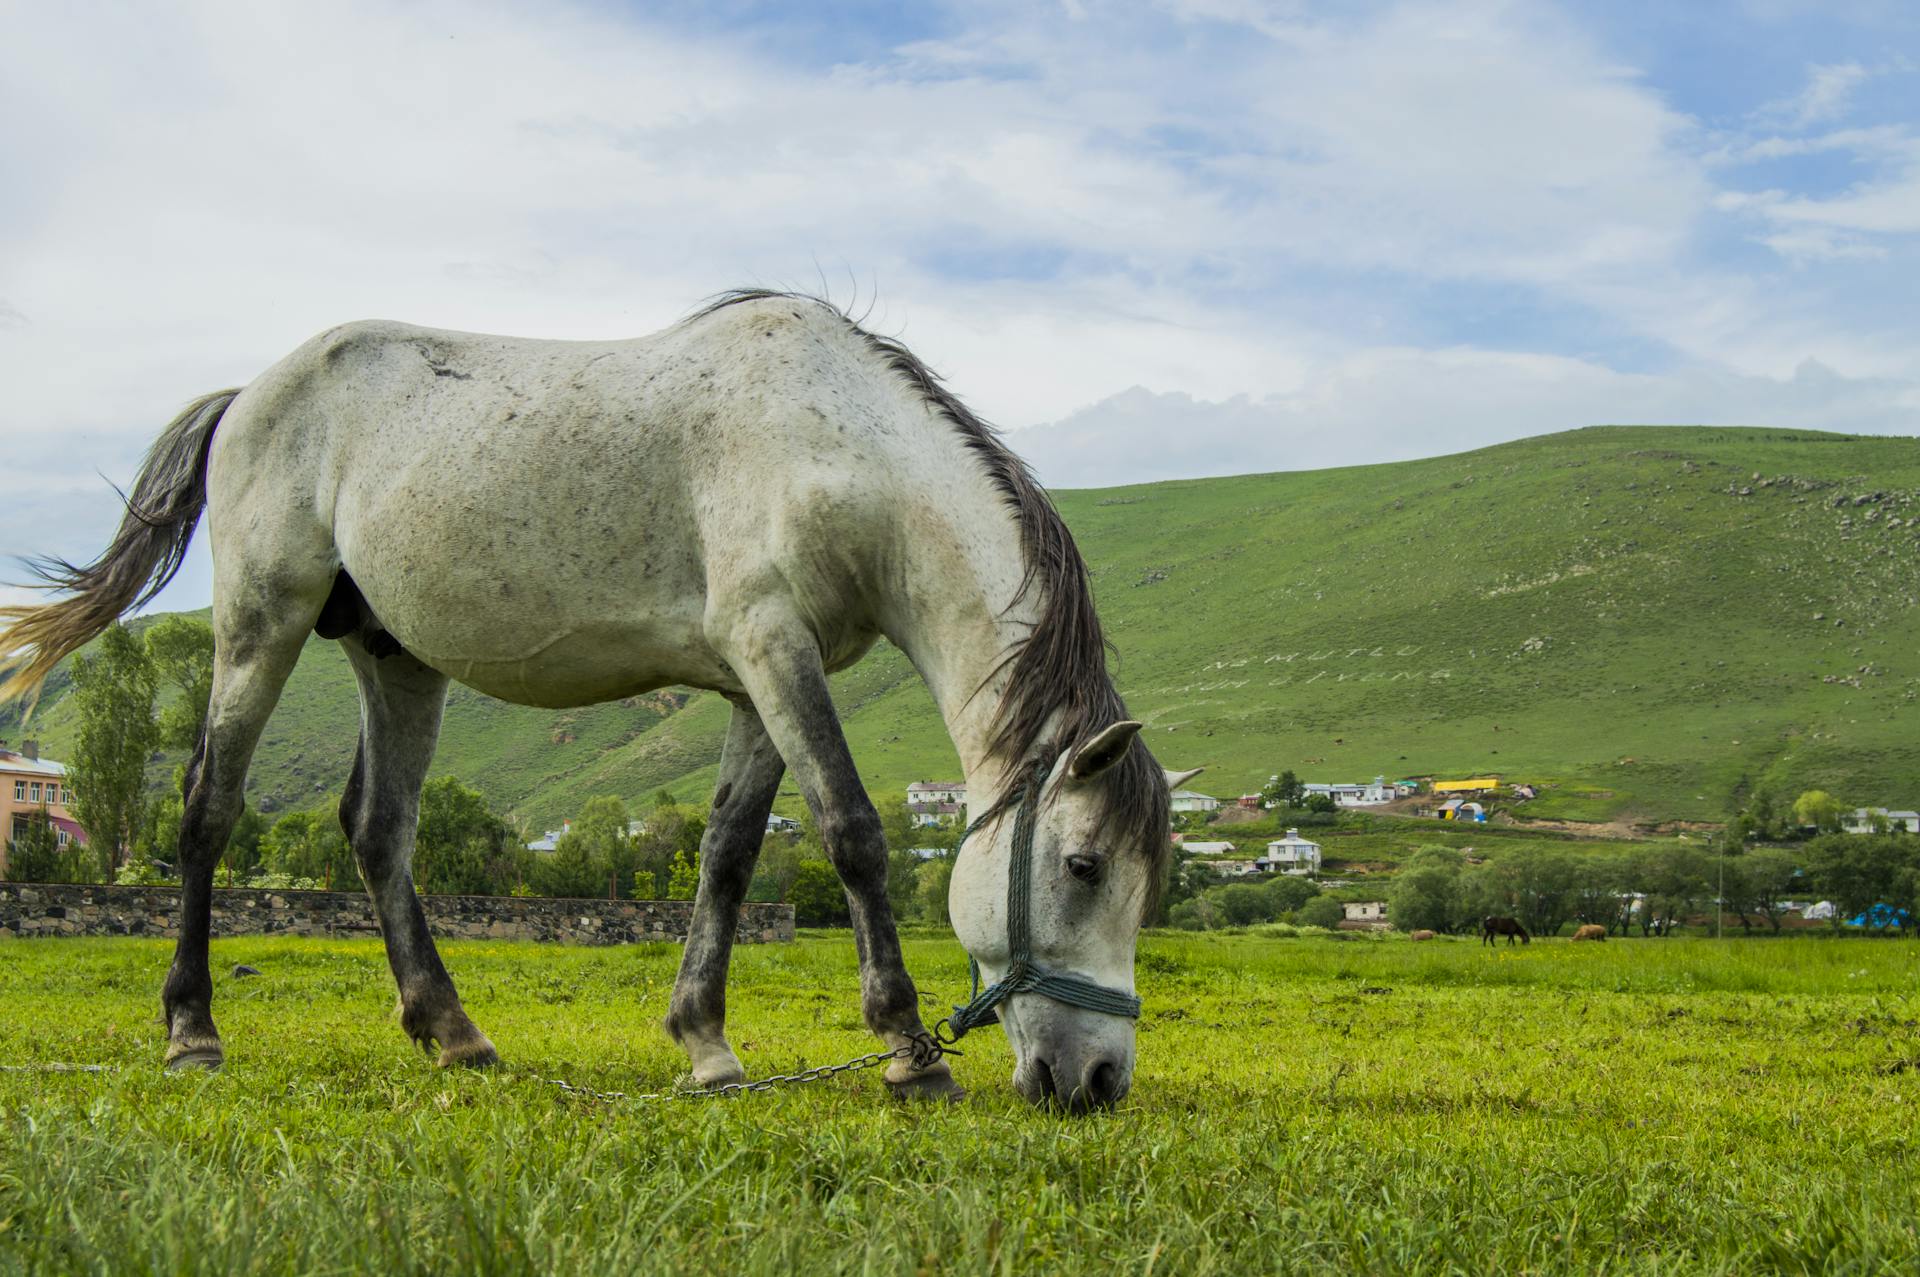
(743, 502)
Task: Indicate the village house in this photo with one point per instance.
(1371, 913)
(1863, 820)
(33, 788)
(1187, 800)
(1354, 795)
(1292, 855)
(937, 802)
(1462, 809)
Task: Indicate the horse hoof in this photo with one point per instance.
(192, 1059)
(475, 1054)
(711, 1073)
(935, 1084)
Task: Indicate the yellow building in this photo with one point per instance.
(1481, 785)
(29, 786)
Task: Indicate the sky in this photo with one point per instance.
(1148, 240)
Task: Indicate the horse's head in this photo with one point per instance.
(1095, 827)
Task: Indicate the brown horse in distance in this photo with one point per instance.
(1493, 925)
(1591, 931)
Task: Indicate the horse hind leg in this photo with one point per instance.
(255, 649)
(400, 705)
(750, 772)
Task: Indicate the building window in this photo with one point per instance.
(34, 795)
(19, 791)
(19, 828)
(61, 836)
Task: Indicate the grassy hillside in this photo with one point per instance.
(1653, 618)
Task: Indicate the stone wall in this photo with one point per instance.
(54, 909)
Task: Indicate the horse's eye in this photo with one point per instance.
(1084, 867)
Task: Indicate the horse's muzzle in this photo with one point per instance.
(1076, 1086)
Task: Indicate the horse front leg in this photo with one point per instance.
(750, 771)
(780, 665)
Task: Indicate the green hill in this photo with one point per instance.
(1653, 619)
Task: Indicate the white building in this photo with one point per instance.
(1861, 820)
(1291, 855)
(1186, 800)
(1355, 795)
(1365, 910)
(1208, 848)
(937, 802)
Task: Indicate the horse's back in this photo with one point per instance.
(547, 520)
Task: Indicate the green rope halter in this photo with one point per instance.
(1022, 975)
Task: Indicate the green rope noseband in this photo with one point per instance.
(1022, 975)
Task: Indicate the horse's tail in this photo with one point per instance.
(162, 512)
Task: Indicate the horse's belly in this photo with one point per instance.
(600, 661)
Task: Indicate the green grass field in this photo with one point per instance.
(1301, 1104)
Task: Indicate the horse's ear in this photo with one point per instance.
(1177, 779)
(1103, 751)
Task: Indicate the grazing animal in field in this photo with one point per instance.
(746, 501)
(1422, 934)
(1495, 925)
(1591, 931)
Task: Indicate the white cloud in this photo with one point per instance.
(1214, 198)
(1828, 95)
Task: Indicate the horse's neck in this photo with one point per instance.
(960, 618)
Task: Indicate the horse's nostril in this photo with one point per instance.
(1105, 1083)
(1048, 1091)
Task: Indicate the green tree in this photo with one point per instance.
(1286, 893)
(1284, 790)
(1764, 816)
(311, 846)
(672, 830)
(113, 697)
(1860, 871)
(685, 883)
(817, 897)
(1818, 809)
(34, 854)
(593, 858)
(1599, 894)
(1772, 878)
(1321, 911)
(1186, 879)
(462, 848)
(1424, 898)
(1242, 904)
(931, 882)
(181, 649)
(243, 845)
(903, 885)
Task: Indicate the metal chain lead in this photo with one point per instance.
(923, 1051)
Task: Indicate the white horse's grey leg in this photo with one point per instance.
(400, 705)
(750, 771)
(252, 658)
(782, 671)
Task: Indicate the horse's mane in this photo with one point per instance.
(1058, 673)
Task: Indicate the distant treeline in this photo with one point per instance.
(1547, 888)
